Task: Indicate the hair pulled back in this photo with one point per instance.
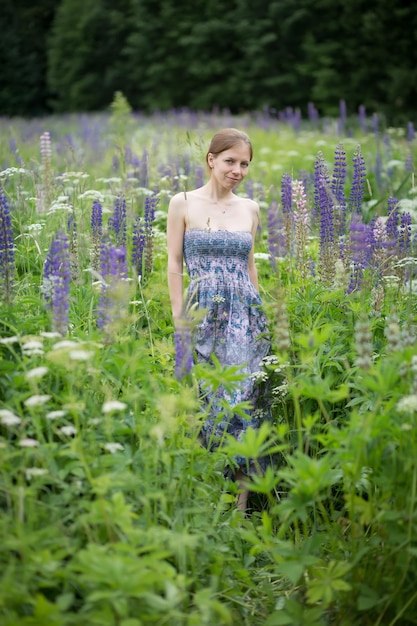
(228, 138)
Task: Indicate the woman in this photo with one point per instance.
(213, 231)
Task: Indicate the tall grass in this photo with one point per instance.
(112, 513)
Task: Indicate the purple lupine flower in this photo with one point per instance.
(7, 248)
(410, 132)
(184, 360)
(324, 209)
(113, 270)
(360, 235)
(337, 187)
(286, 193)
(300, 213)
(362, 118)
(73, 246)
(404, 235)
(312, 113)
(117, 222)
(97, 233)
(276, 237)
(358, 182)
(409, 165)
(14, 150)
(149, 218)
(138, 246)
(56, 281)
(392, 224)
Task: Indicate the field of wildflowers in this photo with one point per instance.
(111, 511)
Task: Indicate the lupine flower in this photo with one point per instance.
(392, 231)
(113, 270)
(7, 257)
(138, 245)
(117, 223)
(300, 214)
(313, 114)
(363, 343)
(286, 195)
(410, 132)
(73, 247)
(358, 182)
(150, 206)
(323, 204)
(276, 237)
(362, 117)
(46, 190)
(360, 250)
(183, 351)
(337, 187)
(56, 281)
(393, 334)
(281, 324)
(97, 233)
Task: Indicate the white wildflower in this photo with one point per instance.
(37, 372)
(31, 472)
(113, 405)
(6, 340)
(262, 256)
(80, 355)
(68, 431)
(53, 415)
(113, 447)
(271, 359)
(218, 298)
(36, 400)
(32, 344)
(7, 418)
(66, 343)
(408, 404)
(50, 334)
(259, 376)
(28, 442)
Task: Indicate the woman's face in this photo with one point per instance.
(231, 166)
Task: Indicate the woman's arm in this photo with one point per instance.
(253, 274)
(175, 241)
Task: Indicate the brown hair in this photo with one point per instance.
(227, 138)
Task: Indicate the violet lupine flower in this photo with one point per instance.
(97, 233)
(184, 359)
(362, 118)
(392, 225)
(360, 250)
(300, 214)
(149, 218)
(312, 113)
(276, 237)
(113, 270)
(7, 256)
(337, 187)
(324, 209)
(56, 281)
(410, 132)
(138, 246)
(73, 247)
(117, 222)
(404, 235)
(286, 195)
(358, 182)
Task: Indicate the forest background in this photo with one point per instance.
(73, 55)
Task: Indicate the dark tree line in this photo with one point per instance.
(73, 55)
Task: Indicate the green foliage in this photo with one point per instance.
(74, 55)
(111, 510)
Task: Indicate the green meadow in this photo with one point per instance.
(111, 512)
